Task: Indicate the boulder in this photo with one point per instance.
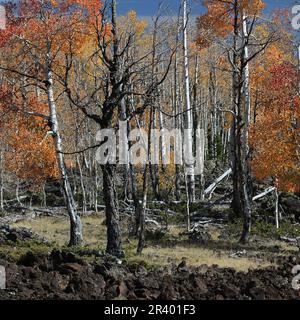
(8, 234)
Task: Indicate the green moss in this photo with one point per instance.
(139, 261)
(13, 251)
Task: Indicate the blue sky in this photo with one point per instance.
(149, 7)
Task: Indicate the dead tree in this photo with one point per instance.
(240, 58)
(121, 74)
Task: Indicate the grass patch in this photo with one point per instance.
(196, 256)
(57, 229)
(168, 250)
(267, 230)
(14, 251)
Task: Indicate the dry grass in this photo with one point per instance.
(57, 230)
(196, 256)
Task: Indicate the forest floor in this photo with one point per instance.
(221, 267)
(171, 248)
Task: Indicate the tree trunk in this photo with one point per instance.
(236, 96)
(189, 114)
(75, 221)
(142, 215)
(176, 109)
(244, 146)
(96, 186)
(213, 102)
(277, 216)
(17, 192)
(163, 141)
(44, 201)
(136, 202)
(114, 244)
(84, 203)
(124, 150)
(154, 173)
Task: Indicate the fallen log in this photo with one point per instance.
(15, 200)
(290, 240)
(213, 186)
(263, 194)
(153, 221)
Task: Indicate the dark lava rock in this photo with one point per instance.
(62, 275)
(21, 234)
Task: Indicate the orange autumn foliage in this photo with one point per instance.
(29, 154)
(62, 25)
(275, 137)
(218, 21)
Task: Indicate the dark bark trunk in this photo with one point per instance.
(142, 215)
(114, 244)
(136, 202)
(241, 203)
(155, 181)
(236, 202)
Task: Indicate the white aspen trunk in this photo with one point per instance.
(176, 108)
(96, 187)
(199, 132)
(189, 159)
(163, 140)
(242, 137)
(212, 136)
(277, 208)
(205, 120)
(246, 84)
(17, 192)
(213, 100)
(76, 226)
(74, 177)
(200, 155)
(188, 215)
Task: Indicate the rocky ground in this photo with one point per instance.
(62, 274)
(55, 272)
